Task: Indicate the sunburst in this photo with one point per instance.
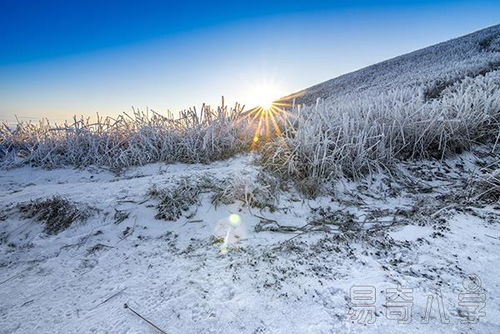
(267, 119)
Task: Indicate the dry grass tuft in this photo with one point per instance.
(256, 192)
(56, 213)
(487, 187)
(177, 200)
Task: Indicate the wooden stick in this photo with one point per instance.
(146, 320)
(108, 299)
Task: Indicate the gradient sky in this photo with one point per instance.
(63, 57)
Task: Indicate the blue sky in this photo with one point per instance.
(59, 58)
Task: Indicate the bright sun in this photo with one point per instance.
(266, 110)
(262, 94)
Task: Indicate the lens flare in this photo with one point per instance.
(224, 249)
(234, 219)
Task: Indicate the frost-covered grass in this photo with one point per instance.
(364, 132)
(430, 103)
(345, 136)
(177, 199)
(137, 139)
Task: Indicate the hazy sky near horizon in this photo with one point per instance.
(59, 58)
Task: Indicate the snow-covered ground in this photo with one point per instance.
(306, 266)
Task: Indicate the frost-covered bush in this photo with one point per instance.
(362, 132)
(138, 139)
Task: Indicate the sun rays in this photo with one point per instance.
(267, 121)
(269, 113)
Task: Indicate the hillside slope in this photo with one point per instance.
(433, 102)
(433, 68)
